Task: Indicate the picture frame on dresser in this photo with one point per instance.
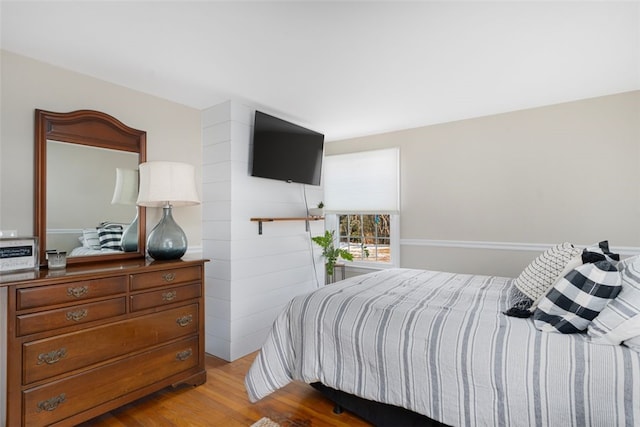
(18, 254)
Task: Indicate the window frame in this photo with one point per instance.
(332, 224)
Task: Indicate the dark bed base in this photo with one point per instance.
(378, 414)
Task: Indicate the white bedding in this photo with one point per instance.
(82, 251)
(438, 344)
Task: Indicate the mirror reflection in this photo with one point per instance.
(85, 160)
(91, 193)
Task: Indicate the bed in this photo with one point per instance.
(101, 240)
(83, 251)
(438, 345)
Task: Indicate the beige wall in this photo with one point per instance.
(567, 172)
(173, 132)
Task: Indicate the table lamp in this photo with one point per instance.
(126, 193)
(167, 184)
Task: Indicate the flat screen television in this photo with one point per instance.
(285, 151)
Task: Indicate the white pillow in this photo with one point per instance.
(633, 343)
(620, 319)
(91, 238)
(626, 261)
(542, 273)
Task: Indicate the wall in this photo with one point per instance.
(173, 132)
(487, 195)
(251, 277)
(479, 196)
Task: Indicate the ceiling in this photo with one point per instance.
(344, 68)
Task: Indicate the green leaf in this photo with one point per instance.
(330, 252)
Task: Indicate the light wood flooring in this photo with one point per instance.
(222, 401)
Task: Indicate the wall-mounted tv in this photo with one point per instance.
(285, 151)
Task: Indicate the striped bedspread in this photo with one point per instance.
(438, 344)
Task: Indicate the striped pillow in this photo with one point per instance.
(634, 343)
(90, 238)
(627, 261)
(577, 298)
(617, 321)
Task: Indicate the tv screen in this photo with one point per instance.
(285, 151)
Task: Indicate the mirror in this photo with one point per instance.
(86, 183)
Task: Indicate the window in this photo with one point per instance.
(363, 182)
(366, 236)
(361, 195)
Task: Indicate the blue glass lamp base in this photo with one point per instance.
(129, 240)
(167, 240)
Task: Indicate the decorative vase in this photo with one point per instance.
(167, 240)
(129, 240)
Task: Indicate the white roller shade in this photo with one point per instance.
(363, 182)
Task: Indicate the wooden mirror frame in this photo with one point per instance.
(90, 128)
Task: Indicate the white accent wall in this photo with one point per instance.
(250, 277)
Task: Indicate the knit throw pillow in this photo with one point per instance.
(542, 273)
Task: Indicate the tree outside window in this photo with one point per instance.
(366, 236)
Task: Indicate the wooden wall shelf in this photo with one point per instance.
(306, 219)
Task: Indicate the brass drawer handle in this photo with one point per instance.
(184, 355)
(52, 357)
(169, 277)
(78, 292)
(169, 296)
(77, 315)
(51, 404)
(184, 320)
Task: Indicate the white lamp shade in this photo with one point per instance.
(126, 189)
(163, 183)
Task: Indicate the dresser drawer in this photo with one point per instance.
(170, 276)
(61, 399)
(69, 316)
(70, 292)
(52, 356)
(165, 296)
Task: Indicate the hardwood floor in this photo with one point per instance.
(222, 401)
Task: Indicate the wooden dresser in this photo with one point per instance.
(89, 339)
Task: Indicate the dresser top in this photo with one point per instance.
(72, 272)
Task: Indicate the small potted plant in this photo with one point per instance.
(318, 211)
(330, 252)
